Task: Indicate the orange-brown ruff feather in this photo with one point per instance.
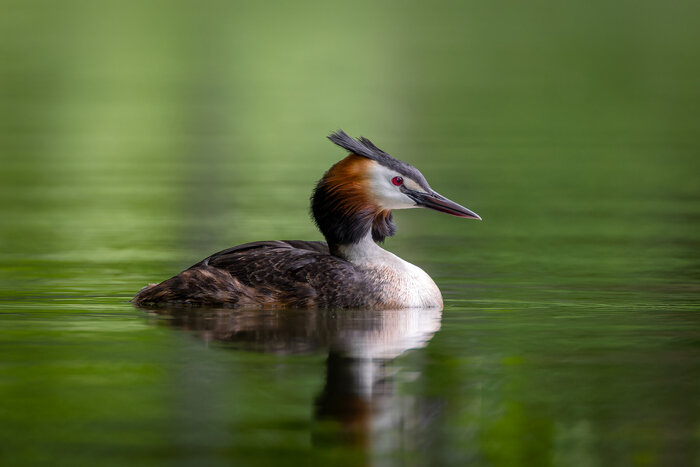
(347, 182)
(342, 203)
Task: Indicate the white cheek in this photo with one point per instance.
(385, 193)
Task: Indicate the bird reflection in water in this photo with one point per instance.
(359, 404)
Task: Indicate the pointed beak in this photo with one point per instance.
(438, 202)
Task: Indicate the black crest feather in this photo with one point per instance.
(362, 147)
(365, 148)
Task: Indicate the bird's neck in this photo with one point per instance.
(355, 231)
(362, 252)
(344, 211)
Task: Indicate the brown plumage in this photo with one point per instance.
(271, 274)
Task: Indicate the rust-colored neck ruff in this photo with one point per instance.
(343, 208)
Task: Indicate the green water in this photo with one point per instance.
(136, 139)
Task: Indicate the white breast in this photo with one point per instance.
(399, 282)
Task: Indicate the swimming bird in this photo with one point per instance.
(352, 206)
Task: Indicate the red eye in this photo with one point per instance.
(398, 181)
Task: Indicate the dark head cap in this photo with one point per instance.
(365, 148)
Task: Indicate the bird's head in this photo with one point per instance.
(359, 192)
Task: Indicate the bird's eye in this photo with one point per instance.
(398, 181)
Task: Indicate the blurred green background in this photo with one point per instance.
(138, 137)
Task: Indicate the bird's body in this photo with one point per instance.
(352, 206)
(297, 274)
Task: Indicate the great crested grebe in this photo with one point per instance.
(352, 206)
